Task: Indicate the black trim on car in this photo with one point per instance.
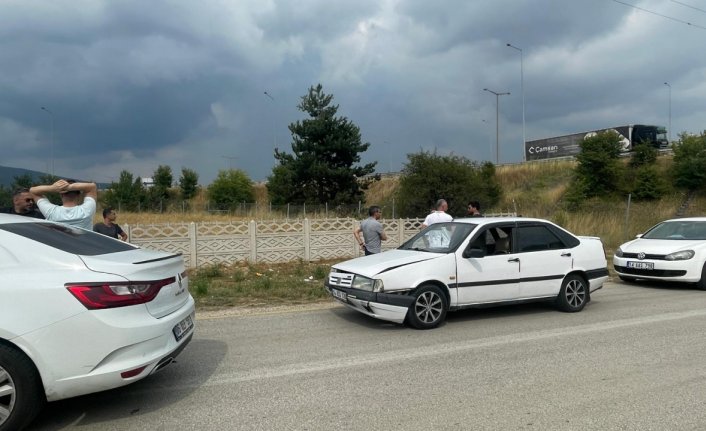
(650, 272)
(647, 256)
(397, 299)
(596, 273)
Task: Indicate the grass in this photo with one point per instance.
(245, 284)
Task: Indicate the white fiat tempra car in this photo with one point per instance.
(473, 262)
(81, 312)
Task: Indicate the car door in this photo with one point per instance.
(491, 273)
(544, 260)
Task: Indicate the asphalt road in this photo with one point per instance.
(634, 359)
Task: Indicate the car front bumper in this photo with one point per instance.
(687, 271)
(383, 306)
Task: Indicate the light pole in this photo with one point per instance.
(669, 132)
(497, 122)
(522, 88)
(230, 161)
(274, 135)
(51, 136)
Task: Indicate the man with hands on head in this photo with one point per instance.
(70, 211)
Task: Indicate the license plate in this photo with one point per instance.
(338, 294)
(182, 328)
(641, 265)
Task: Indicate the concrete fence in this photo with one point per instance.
(211, 243)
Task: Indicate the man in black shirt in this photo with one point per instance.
(23, 204)
(108, 227)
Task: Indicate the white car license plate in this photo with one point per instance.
(641, 265)
(182, 328)
(338, 294)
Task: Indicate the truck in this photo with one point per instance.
(570, 145)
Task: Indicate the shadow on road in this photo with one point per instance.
(190, 370)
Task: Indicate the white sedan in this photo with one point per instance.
(673, 250)
(472, 262)
(81, 312)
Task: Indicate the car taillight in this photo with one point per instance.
(110, 295)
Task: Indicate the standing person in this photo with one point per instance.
(70, 211)
(372, 231)
(474, 209)
(22, 204)
(438, 215)
(108, 226)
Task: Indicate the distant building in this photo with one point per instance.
(147, 182)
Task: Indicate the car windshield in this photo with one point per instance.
(439, 237)
(678, 230)
(68, 238)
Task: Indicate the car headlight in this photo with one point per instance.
(369, 284)
(680, 255)
(618, 252)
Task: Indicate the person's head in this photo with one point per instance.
(441, 205)
(70, 198)
(109, 214)
(375, 211)
(473, 207)
(22, 200)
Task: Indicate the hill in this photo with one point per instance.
(8, 174)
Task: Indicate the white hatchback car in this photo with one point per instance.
(673, 250)
(473, 262)
(81, 312)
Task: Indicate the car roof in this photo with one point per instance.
(487, 220)
(685, 219)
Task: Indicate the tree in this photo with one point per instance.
(230, 188)
(23, 181)
(647, 182)
(323, 166)
(159, 192)
(126, 194)
(427, 177)
(690, 161)
(599, 171)
(188, 183)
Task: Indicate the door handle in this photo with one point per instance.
(516, 259)
(566, 255)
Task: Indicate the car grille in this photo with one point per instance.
(650, 272)
(340, 279)
(647, 256)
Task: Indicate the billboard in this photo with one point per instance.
(569, 145)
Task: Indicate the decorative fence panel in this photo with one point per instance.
(264, 241)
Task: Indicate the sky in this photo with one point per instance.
(90, 88)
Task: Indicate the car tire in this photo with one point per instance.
(701, 284)
(627, 279)
(574, 294)
(428, 309)
(22, 397)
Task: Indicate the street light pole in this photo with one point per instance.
(274, 135)
(522, 88)
(51, 136)
(669, 132)
(497, 122)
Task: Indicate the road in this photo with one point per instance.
(634, 359)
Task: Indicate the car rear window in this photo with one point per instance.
(67, 238)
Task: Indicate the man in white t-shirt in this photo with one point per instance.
(70, 212)
(439, 215)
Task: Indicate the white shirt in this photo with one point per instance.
(437, 217)
(79, 216)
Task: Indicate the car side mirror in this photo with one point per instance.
(639, 235)
(474, 253)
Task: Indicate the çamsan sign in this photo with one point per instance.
(570, 145)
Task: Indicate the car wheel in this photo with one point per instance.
(701, 284)
(627, 279)
(573, 295)
(428, 309)
(21, 393)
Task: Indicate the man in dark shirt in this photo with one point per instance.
(108, 227)
(22, 204)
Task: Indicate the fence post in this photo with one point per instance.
(307, 240)
(193, 257)
(627, 217)
(400, 231)
(252, 230)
